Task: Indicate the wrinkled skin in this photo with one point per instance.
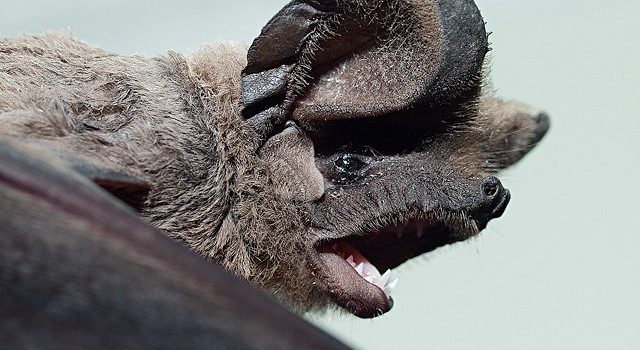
(354, 129)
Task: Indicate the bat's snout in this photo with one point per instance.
(493, 200)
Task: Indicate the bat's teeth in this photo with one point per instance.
(390, 286)
(386, 282)
(366, 270)
(382, 281)
(369, 279)
(360, 269)
(370, 273)
(351, 262)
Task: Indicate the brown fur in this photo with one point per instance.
(176, 123)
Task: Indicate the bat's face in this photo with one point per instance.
(391, 146)
(379, 192)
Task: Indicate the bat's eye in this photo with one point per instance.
(349, 163)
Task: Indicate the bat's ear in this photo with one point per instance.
(512, 129)
(327, 59)
(290, 158)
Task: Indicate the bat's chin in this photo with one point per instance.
(356, 270)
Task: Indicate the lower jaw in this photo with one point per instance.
(346, 287)
(340, 281)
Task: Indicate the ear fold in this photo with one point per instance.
(289, 156)
(323, 60)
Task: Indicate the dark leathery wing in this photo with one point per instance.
(79, 270)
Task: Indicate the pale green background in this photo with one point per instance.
(561, 269)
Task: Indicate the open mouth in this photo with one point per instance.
(357, 271)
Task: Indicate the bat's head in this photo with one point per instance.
(376, 126)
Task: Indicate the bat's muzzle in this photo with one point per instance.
(493, 201)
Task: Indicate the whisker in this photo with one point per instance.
(492, 137)
(519, 130)
(520, 149)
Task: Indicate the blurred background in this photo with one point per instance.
(560, 270)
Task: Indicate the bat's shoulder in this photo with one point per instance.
(90, 82)
(45, 45)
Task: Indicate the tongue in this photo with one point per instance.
(353, 281)
(387, 282)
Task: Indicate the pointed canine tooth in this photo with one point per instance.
(360, 269)
(392, 276)
(350, 261)
(392, 284)
(388, 289)
(382, 281)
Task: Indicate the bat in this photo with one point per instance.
(352, 136)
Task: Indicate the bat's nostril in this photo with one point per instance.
(493, 201)
(491, 187)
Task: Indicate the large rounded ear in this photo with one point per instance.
(336, 59)
(511, 129)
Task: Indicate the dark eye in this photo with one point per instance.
(349, 163)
